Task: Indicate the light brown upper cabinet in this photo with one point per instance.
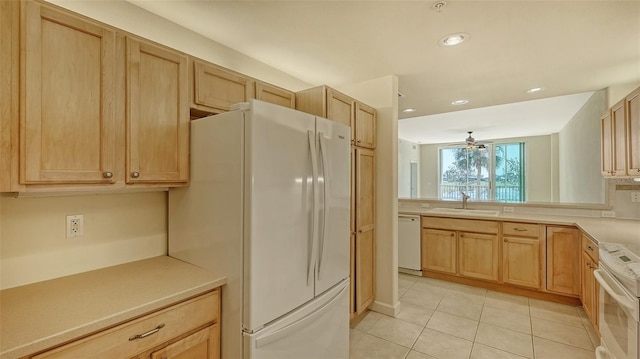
(215, 89)
(633, 132)
(606, 141)
(563, 260)
(339, 108)
(9, 89)
(326, 102)
(619, 139)
(620, 133)
(157, 114)
(67, 123)
(365, 126)
(273, 94)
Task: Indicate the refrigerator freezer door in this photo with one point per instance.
(318, 330)
(278, 206)
(334, 148)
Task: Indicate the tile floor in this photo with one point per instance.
(446, 320)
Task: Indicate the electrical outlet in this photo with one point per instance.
(425, 205)
(507, 209)
(635, 196)
(75, 226)
(608, 214)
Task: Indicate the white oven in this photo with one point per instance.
(619, 307)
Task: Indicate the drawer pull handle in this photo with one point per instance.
(520, 229)
(143, 335)
(590, 248)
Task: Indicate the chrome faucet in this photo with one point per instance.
(465, 199)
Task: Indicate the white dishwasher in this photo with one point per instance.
(409, 244)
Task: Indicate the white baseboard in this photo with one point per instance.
(386, 309)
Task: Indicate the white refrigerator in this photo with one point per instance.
(268, 206)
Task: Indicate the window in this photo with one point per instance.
(495, 173)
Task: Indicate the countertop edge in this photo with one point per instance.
(585, 224)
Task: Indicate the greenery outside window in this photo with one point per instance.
(493, 173)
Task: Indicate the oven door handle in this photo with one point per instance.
(622, 299)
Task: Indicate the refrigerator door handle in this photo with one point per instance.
(325, 191)
(301, 323)
(314, 207)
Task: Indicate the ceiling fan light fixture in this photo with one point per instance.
(454, 39)
(459, 102)
(535, 89)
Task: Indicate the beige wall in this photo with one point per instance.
(618, 92)
(540, 178)
(580, 177)
(408, 152)
(119, 228)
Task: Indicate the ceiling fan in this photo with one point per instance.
(472, 144)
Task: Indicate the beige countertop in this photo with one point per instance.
(600, 229)
(41, 315)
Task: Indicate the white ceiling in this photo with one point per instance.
(528, 118)
(567, 47)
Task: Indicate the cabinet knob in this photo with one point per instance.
(505, 240)
(590, 248)
(107, 174)
(135, 174)
(359, 141)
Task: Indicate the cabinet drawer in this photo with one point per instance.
(520, 229)
(464, 225)
(590, 247)
(151, 330)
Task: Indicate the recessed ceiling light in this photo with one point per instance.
(535, 89)
(459, 102)
(454, 39)
(409, 110)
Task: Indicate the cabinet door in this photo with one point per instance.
(606, 142)
(521, 261)
(588, 294)
(67, 122)
(203, 344)
(619, 138)
(365, 250)
(340, 109)
(633, 133)
(216, 89)
(269, 93)
(157, 114)
(563, 260)
(439, 248)
(365, 126)
(478, 256)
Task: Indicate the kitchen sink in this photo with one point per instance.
(465, 212)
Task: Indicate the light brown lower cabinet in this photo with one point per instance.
(439, 250)
(563, 260)
(521, 261)
(189, 329)
(203, 344)
(478, 255)
(521, 256)
(589, 294)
